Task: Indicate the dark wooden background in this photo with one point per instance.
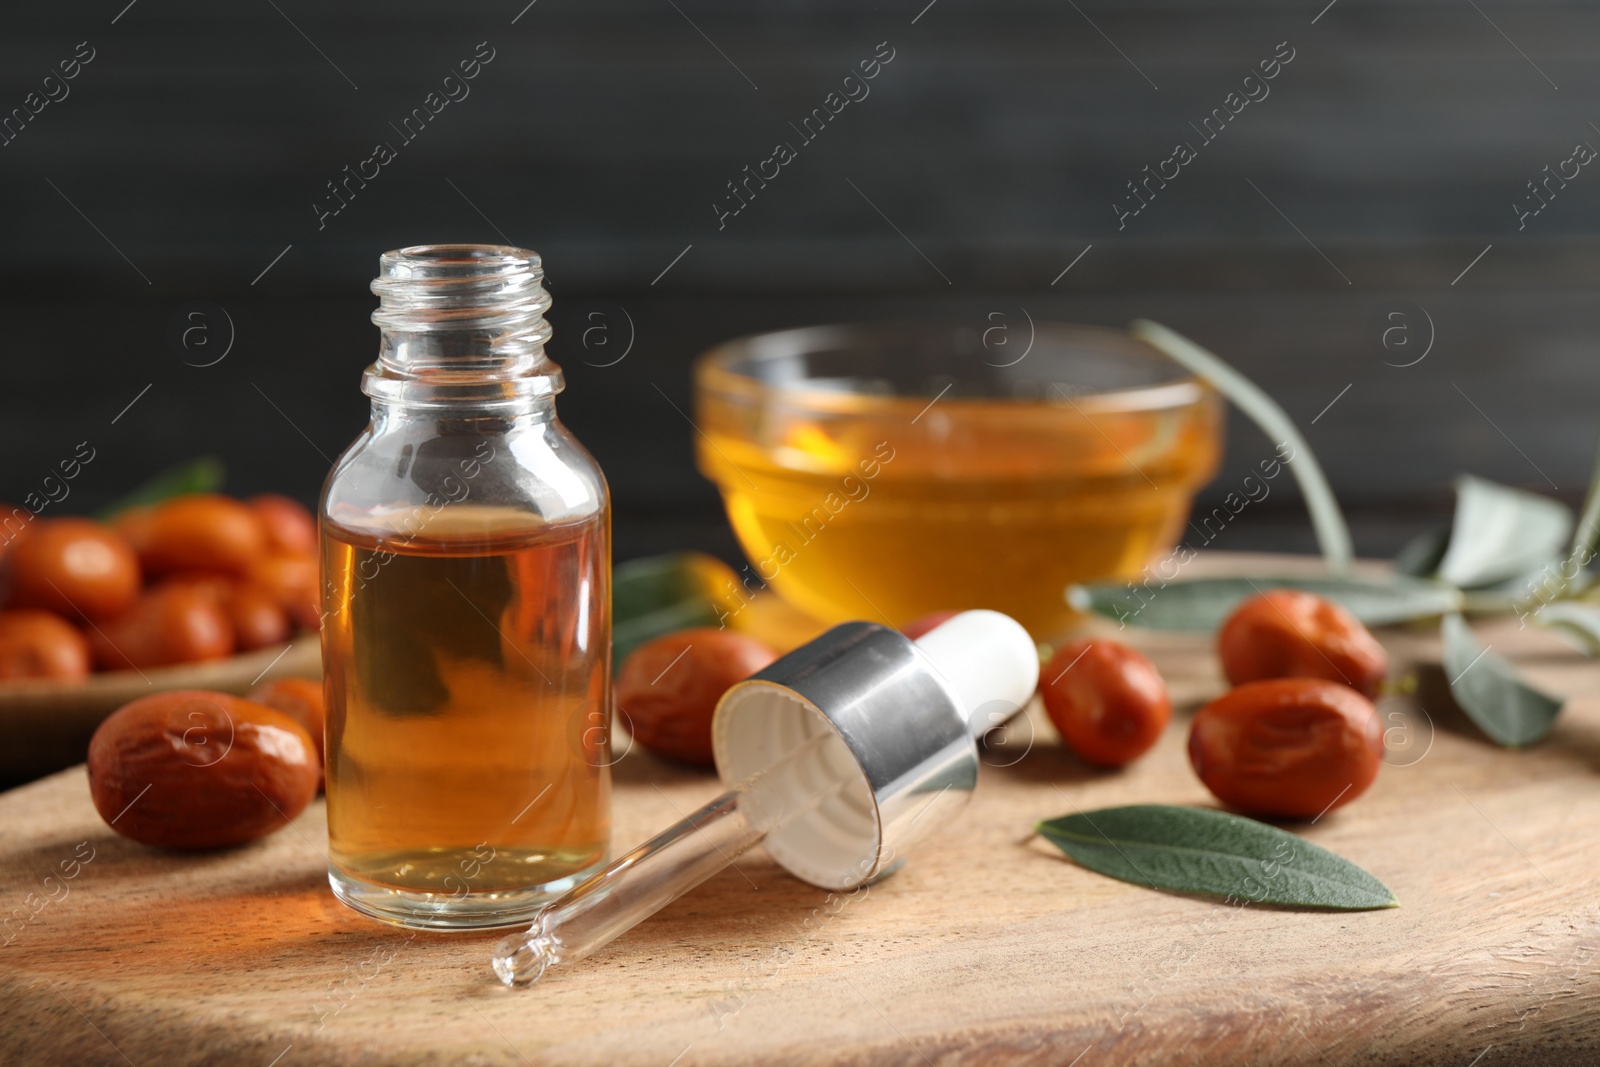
(191, 149)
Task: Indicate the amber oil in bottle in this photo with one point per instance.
(466, 635)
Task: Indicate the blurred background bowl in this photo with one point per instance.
(889, 471)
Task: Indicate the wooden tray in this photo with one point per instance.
(987, 947)
(47, 725)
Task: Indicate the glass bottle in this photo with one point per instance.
(466, 637)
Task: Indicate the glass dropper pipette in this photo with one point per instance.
(844, 751)
(610, 902)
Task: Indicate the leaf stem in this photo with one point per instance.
(1333, 535)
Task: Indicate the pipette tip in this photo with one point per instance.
(521, 959)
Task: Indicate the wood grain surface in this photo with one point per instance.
(987, 947)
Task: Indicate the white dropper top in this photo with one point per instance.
(989, 660)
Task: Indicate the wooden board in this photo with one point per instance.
(986, 947)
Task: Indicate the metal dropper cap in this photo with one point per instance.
(839, 755)
(906, 717)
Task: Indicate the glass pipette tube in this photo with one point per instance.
(611, 902)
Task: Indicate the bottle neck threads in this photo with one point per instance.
(462, 325)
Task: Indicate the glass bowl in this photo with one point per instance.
(889, 471)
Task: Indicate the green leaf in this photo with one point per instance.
(1578, 622)
(1202, 604)
(1197, 850)
(1420, 557)
(1488, 689)
(1501, 533)
(659, 594)
(1525, 593)
(203, 475)
(1332, 533)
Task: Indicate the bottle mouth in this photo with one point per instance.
(463, 321)
(443, 287)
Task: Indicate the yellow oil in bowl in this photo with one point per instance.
(886, 472)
